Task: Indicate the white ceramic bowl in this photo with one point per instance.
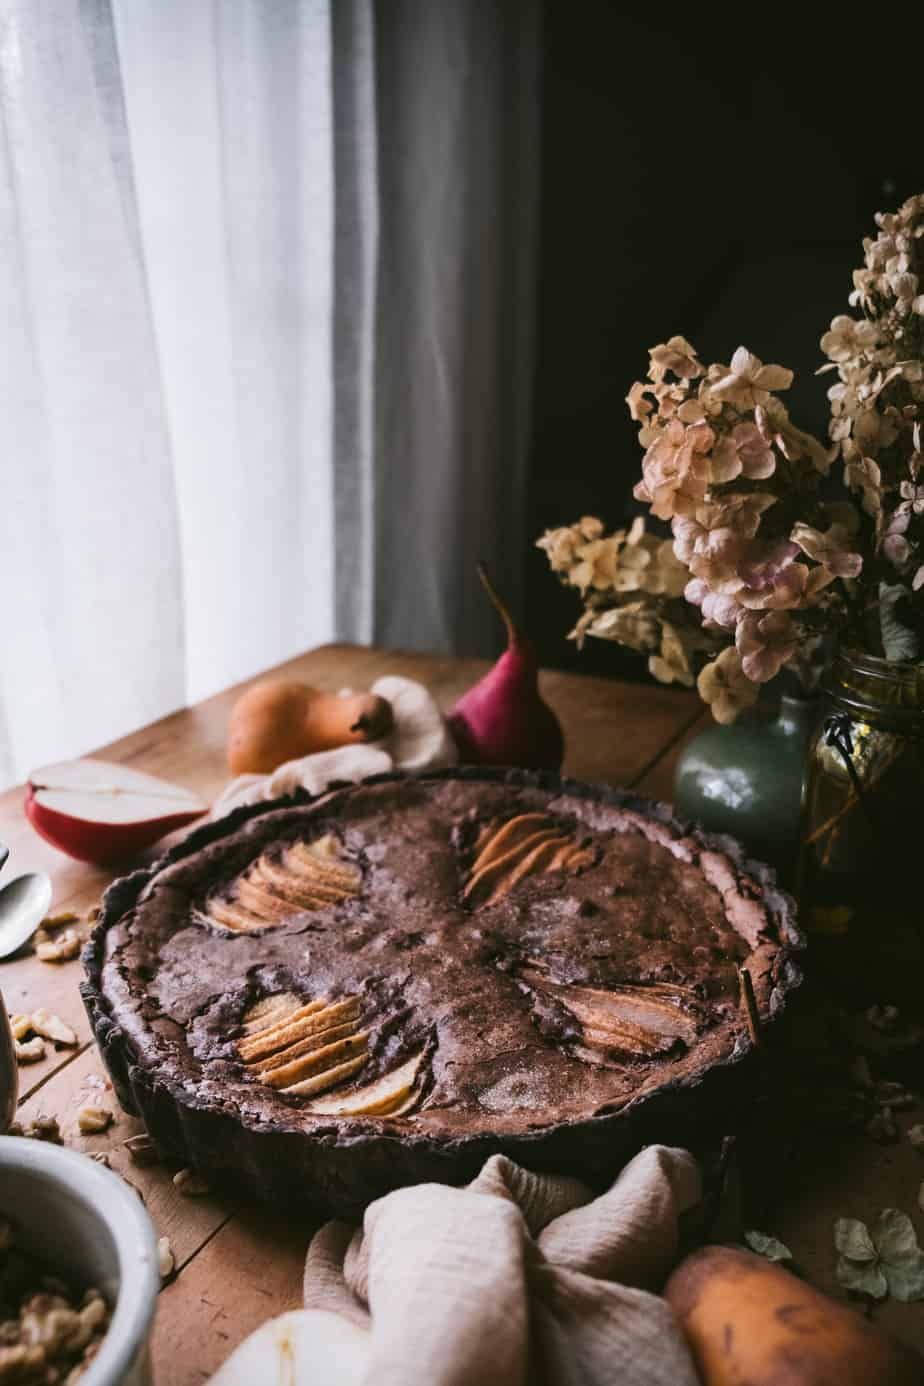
(88, 1226)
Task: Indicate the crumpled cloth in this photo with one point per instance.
(519, 1278)
(420, 740)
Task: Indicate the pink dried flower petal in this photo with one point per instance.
(675, 469)
(765, 643)
(718, 557)
(896, 549)
(770, 579)
(696, 591)
(757, 460)
(721, 610)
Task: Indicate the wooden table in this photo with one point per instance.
(236, 1265)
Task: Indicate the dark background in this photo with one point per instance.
(701, 178)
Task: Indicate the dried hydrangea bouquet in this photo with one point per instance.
(787, 554)
(781, 545)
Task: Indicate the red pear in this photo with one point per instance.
(502, 720)
(105, 813)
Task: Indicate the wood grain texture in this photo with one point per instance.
(187, 1222)
(239, 1266)
(250, 1271)
(859, 1179)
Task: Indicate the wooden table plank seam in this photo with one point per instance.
(664, 754)
(184, 1262)
(66, 1056)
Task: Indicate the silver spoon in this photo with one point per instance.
(24, 903)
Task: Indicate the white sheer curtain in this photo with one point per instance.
(265, 287)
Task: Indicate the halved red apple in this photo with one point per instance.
(104, 813)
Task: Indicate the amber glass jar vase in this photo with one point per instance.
(861, 876)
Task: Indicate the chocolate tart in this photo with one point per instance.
(318, 1000)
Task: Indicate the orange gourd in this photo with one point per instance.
(281, 719)
(750, 1323)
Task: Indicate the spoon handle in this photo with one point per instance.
(9, 1072)
(4, 853)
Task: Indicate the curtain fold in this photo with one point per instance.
(265, 318)
(229, 117)
(89, 547)
(457, 131)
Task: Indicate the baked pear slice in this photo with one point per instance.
(632, 1019)
(234, 917)
(270, 1011)
(390, 1095)
(310, 1019)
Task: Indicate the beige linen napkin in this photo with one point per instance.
(518, 1278)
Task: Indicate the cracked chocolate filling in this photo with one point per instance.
(599, 972)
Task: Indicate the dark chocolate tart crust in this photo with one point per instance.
(550, 968)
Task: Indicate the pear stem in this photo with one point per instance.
(498, 603)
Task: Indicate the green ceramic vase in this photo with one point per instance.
(746, 780)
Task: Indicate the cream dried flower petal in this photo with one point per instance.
(862, 474)
(633, 625)
(675, 469)
(914, 495)
(672, 665)
(677, 356)
(666, 575)
(725, 687)
(640, 406)
(848, 337)
(693, 411)
(748, 382)
(597, 564)
(561, 545)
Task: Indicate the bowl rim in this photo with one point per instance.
(115, 1205)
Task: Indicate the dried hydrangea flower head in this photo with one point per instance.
(764, 566)
(876, 407)
(755, 565)
(629, 581)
